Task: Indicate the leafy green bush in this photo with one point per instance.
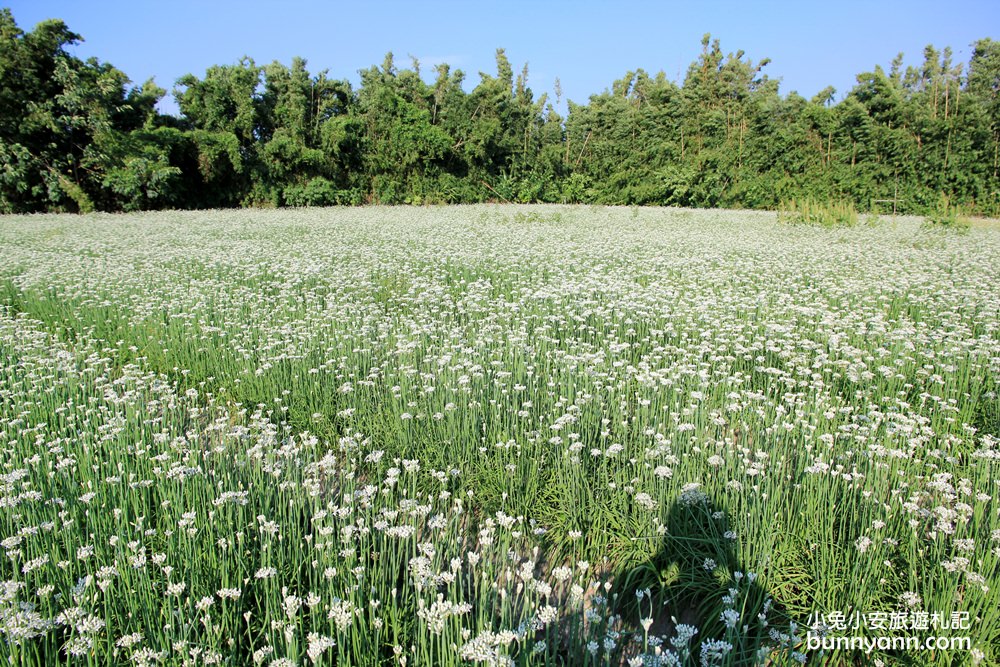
(317, 192)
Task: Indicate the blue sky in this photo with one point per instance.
(586, 44)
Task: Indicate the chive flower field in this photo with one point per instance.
(495, 435)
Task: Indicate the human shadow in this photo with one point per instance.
(694, 579)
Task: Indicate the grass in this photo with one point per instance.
(491, 434)
(948, 215)
(824, 214)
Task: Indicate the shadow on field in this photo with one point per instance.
(694, 578)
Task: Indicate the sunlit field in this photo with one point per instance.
(495, 435)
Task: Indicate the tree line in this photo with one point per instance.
(76, 135)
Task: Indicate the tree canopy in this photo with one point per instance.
(79, 136)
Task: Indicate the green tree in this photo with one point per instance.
(404, 151)
(223, 113)
(74, 135)
(78, 135)
(303, 160)
(40, 158)
(983, 85)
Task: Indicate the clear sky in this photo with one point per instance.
(586, 44)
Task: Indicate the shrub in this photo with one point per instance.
(317, 192)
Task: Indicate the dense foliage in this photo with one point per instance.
(77, 136)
